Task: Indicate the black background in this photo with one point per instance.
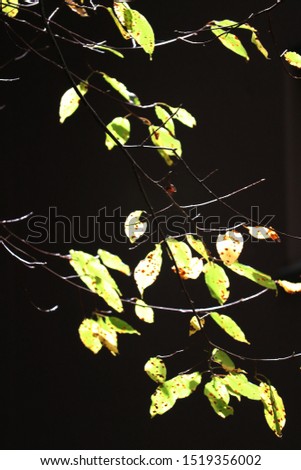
(57, 394)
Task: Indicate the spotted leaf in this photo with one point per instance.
(263, 233)
(290, 287)
(121, 89)
(187, 266)
(273, 406)
(195, 325)
(10, 7)
(148, 269)
(144, 312)
(217, 282)
(198, 246)
(229, 326)
(229, 246)
(156, 369)
(218, 396)
(133, 226)
(293, 59)
(70, 101)
(256, 276)
(120, 127)
(222, 358)
(229, 40)
(162, 138)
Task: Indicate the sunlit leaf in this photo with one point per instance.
(195, 325)
(133, 226)
(107, 49)
(122, 30)
(217, 282)
(156, 369)
(229, 246)
(263, 233)
(273, 406)
(144, 312)
(256, 276)
(187, 267)
(239, 384)
(290, 287)
(70, 101)
(163, 138)
(80, 10)
(229, 326)
(114, 262)
(89, 335)
(121, 89)
(222, 358)
(293, 59)
(183, 116)
(198, 246)
(165, 117)
(148, 269)
(10, 7)
(97, 278)
(255, 39)
(121, 128)
(121, 326)
(136, 25)
(218, 396)
(169, 392)
(229, 40)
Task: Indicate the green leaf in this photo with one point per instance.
(122, 31)
(217, 282)
(239, 384)
(256, 276)
(218, 396)
(229, 326)
(188, 267)
(293, 59)
(70, 101)
(10, 7)
(198, 246)
(148, 269)
(121, 326)
(113, 262)
(163, 138)
(195, 325)
(144, 312)
(133, 227)
(156, 370)
(121, 129)
(89, 335)
(273, 406)
(137, 26)
(107, 49)
(229, 40)
(222, 358)
(97, 278)
(183, 116)
(169, 392)
(121, 89)
(165, 117)
(254, 37)
(229, 245)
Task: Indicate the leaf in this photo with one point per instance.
(255, 39)
(218, 396)
(148, 269)
(144, 312)
(114, 262)
(70, 101)
(293, 59)
(290, 287)
(96, 276)
(188, 267)
(229, 40)
(107, 49)
(162, 138)
(217, 282)
(229, 326)
(198, 246)
(169, 392)
(263, 233)
(121, 89)
(120, 326)
(81, 11)
(95, 334)
(122, 31)
(137, 26)
(183, 116)
(165, 117)
(10, 7)
(239, 384)
(88, 332)
(133, 227)
(156, 369)
(195, 325)
(222, 358)
(121, 128)
(256, 276)
(229, 246)
(273, 406)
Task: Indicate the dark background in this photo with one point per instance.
(56, 393)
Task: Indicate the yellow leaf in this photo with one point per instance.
(144, 312)
(70, 101)
(10, 7)
(293, 59)
(229, 246)
(195, 325)
(263, 233)
(148, 269)
(290, 287)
